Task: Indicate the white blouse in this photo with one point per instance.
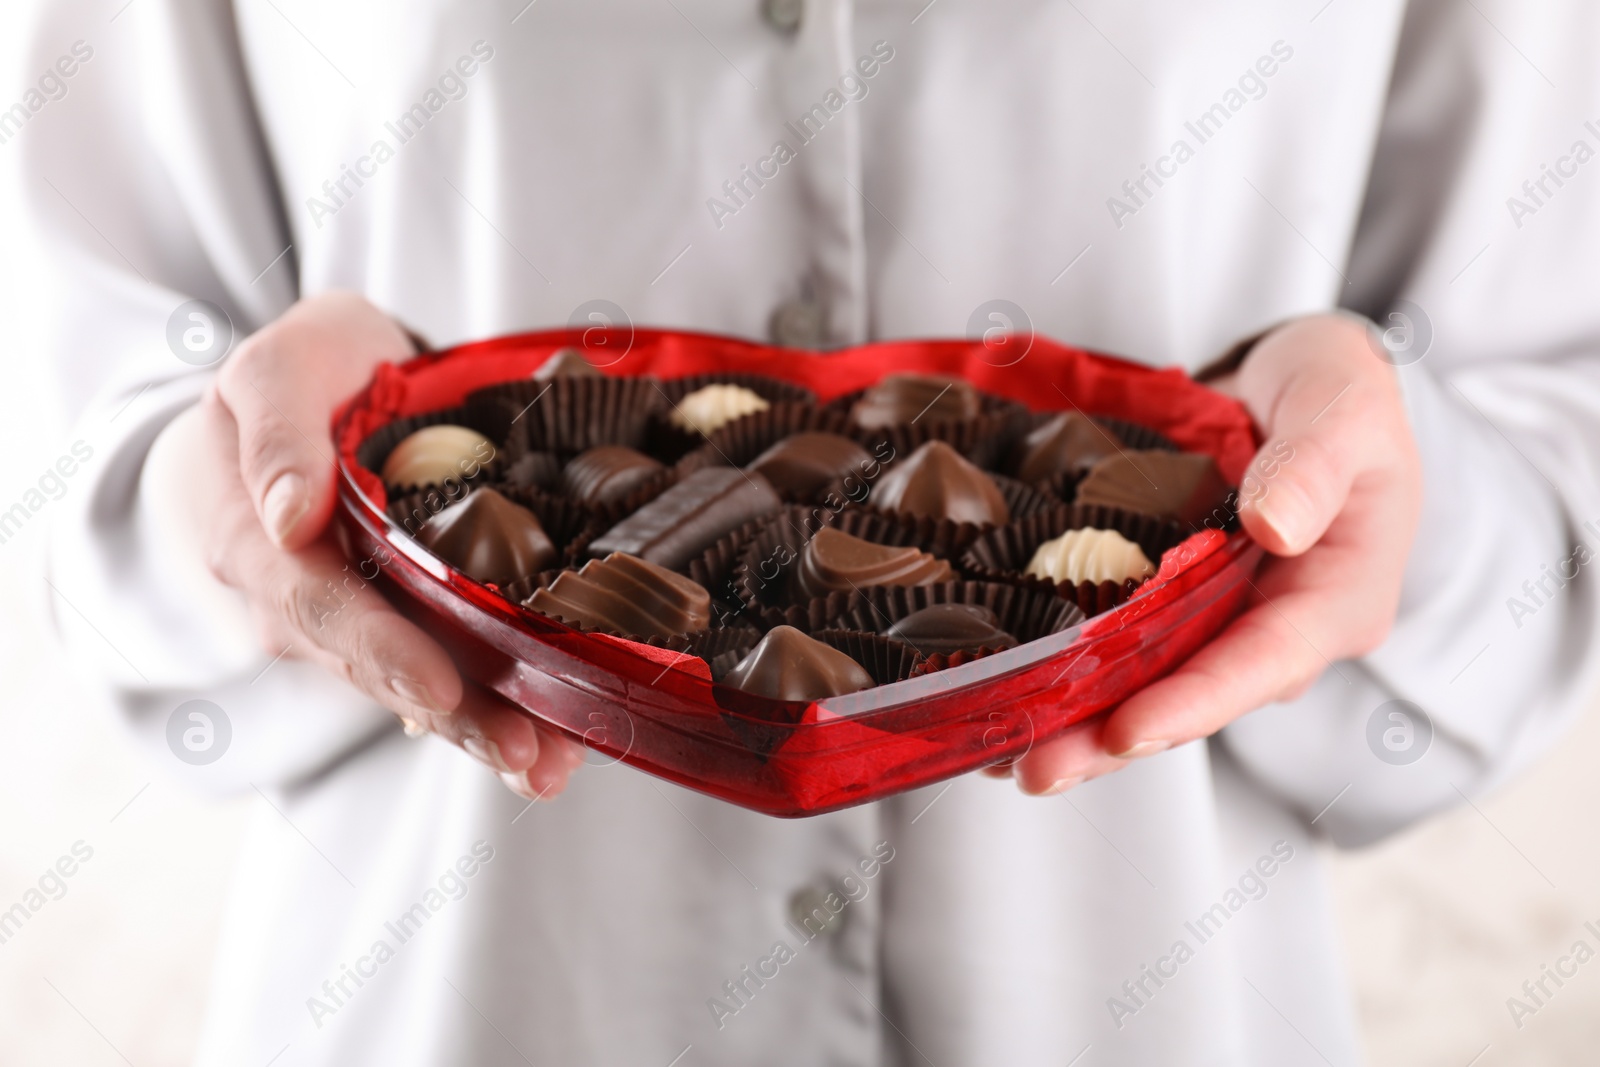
(1154, 180)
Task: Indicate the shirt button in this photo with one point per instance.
(808, 907)
(784, 16)
(798, 324)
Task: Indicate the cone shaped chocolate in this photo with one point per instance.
(788, 665)
(937, 482)
(489, 538)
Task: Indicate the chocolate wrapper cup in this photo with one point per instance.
(985, 439)
(714, 570)
(1003, 554)
(707, 644)
(672, 443)
(767, 558)
(568, 415)
(1136, 437)
(1025, 614)
(532, 470)
(374, 451)
(569, 527)
(944, 537)
(886, 659)
(741, 441)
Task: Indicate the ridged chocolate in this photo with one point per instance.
(936, 482)
(687, 519)
(804, 464)
(899, 399)
(788, 665)
(627, 596)
(834, 560)
(607, 474)
(947, 628)
(1184, 486)
(1070, 443)
(566, 363)
(489, 538)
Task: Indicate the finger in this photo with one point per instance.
(281, 388)
(1260, 658)
(1067, 761)
(323, 603)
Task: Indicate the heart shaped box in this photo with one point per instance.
(659, 711)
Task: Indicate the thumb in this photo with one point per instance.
(282, 386)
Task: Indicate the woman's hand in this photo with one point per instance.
(263, 461)
(1333, 495)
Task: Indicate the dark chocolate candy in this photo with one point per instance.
(607, 474)
(937, 482)
(687, 519)
(905, 398)
(540, 470)
(1068, 442)
(951, 628)
(489, 538)
(626, 596)
(1177, 485)
(834, 560)
(788, 665)
(806, 463)
(566, 363)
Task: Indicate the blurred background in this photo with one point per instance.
(1441, 925)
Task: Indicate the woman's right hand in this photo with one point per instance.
(261, 458)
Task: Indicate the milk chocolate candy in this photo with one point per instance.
(712, 407)
(607, 474)
(489, 538)
(687, 519)
(435, 454)
(905, 398)
(1070, 442)
(626, 596)
(1176, 485)
(937, 482)
(804, 464)
(949, 628)
(833, 560)
(566, 363)
(1090, 556)
(788, 665)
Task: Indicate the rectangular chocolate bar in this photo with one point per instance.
(687, 519)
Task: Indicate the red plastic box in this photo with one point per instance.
(660, 712)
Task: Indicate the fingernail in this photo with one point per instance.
(413, 692)
(412, 727)
(518, 783)
(486, 752)
(285, 502)
(1143, 749)
(1288, 511)
(1060, 785)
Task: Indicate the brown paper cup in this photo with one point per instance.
(1026, 614)
(985, 439)
(741, 441)
(568, 415)
(886, 659)
(1003, 554)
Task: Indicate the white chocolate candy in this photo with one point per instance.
(706, 410)
(436, 453)
(1090, 556)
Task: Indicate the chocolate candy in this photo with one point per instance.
(948, 628)
(788, 665)
(566, 363)
(687, 519)
(834, 560)
(807, 463)
(1068, 442)
(540, 470)
(625, 596)
(937, 482)
(900, 399)
(607, 474)
(712, 407)
(1176, 485)
(1090, 556)
(489, 538)
(435, 454)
